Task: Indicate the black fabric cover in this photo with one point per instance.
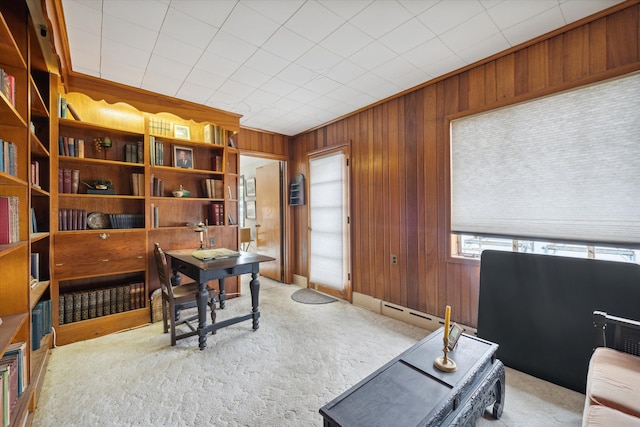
(539, 308)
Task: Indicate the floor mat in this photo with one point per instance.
(311, 296)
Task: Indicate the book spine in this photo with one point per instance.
(66, 183)
(84, 305)
(75, 181)
(68, 308)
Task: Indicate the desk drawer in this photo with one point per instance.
(81, 254)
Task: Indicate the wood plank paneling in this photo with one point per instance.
(400, 162)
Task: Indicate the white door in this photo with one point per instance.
(329, 224)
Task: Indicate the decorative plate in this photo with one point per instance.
(97, 220)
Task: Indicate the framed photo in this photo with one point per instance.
(181, 132)
(182, 157)
(251, 209)
(251, 188)
(454, 335)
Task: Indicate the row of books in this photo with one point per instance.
(84, 305)
(72, 219)
(13, 379)
(8, 157)
(9, 219)
(157, 186)
(8, 86)
(134, 153)
(126, 220)
(69, 146)
(216, 135)
(157, 151)
(68, 181)
(213, 188)
(41, 322)
(215, 214)
(137, 184)
(35, 173)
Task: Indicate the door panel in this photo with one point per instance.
(268, 219)
(329, 224)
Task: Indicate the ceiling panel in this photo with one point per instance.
(291, 65)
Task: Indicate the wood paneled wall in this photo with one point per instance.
(400, 160)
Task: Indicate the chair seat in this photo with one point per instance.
(188, 289)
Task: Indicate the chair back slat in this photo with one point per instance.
(164, 271)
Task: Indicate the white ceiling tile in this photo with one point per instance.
(322, 84)
(484, 49)
(205, 78)
(372, 56)
(212, 12)
(346, 40)
(194, 93)
(427, 53)
(318, 59)
(123, 73)
(510, 13)
(417, 7)
(249, 25)
(394, 68)
(82, 41)
(369, 20)
(574, 10)
(317, 49)
(296, 75)
(278, 87)
(128, 33)
(228, 47)
(448, 14)
(277, 10)
(188, 29)
(83, 16)
(543, 23)
(407, 36)
(250, 77)
(117, 52)
(314, 22)
(132, 11)
(345, 72)
(266, 62)
(474, 30)
(287, 44)
(177, 50)
(167, 67)
(160, 84)
(346, 9)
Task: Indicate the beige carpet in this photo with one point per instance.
(302, 357)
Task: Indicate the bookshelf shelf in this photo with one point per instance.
(38, 290)
(11, 324)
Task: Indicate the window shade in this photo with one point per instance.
(564, 167)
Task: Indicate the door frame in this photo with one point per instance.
(347, 292)
(287, 223)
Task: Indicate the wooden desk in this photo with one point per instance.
(410, 391)
(202, 271)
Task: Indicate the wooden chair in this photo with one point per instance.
(175, 298)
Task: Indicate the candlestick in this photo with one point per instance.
(447, 321)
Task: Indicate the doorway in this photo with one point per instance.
(262, 182)
(329, 234)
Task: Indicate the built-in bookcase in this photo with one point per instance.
(103, 237)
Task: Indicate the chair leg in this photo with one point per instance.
(164, 315)
(212, 305)
(172, 310)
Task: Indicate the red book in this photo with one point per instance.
(5, 227)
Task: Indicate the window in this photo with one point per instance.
(470, 246)
(557, 168)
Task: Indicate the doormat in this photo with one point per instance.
(311, 296)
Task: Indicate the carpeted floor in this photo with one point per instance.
(302, 357)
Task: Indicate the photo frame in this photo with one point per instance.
(251, 209)
(181, 132)
(251, 187)
(454, 335)
(182, 157)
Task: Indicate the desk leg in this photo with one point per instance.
(254, 287)
(223, 294)
(202, 298)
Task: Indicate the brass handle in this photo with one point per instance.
(104, 236)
